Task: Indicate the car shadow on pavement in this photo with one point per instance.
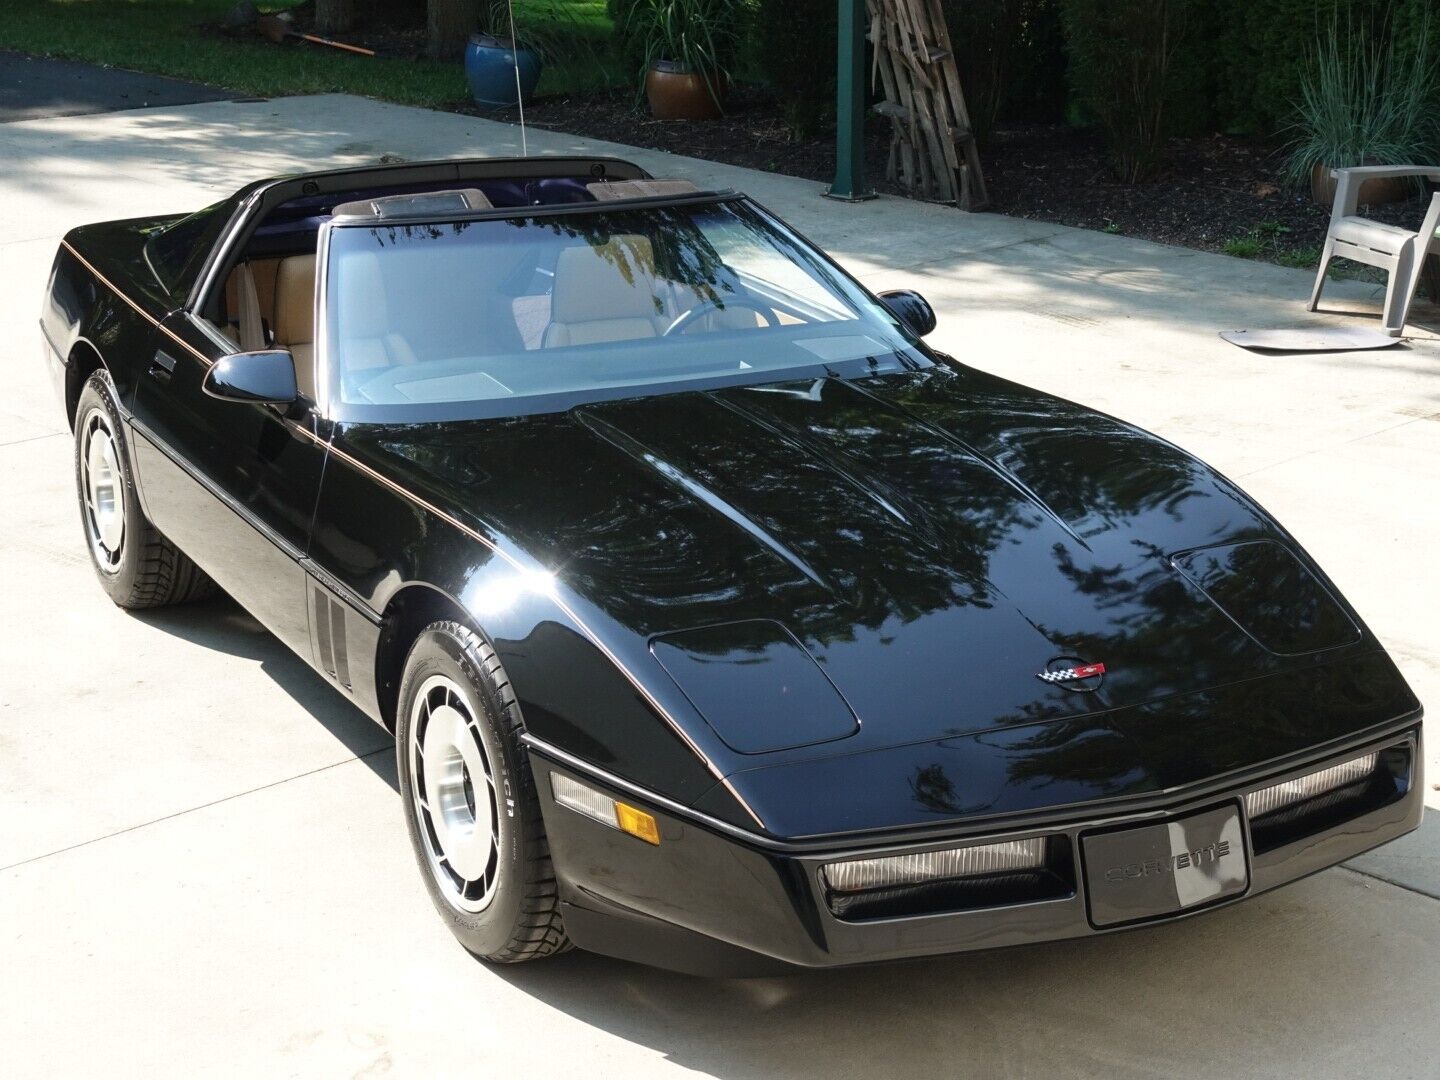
(222, 624)
(1293, 983)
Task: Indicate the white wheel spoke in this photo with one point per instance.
(454, 808)
(102, 490)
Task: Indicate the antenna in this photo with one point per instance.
(519, 95)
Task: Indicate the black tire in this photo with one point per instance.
(520, 917)
(142, 569)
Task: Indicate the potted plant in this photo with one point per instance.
(687, 47)
(1364, 102)
(492, 58)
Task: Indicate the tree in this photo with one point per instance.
(1121, 52)
(448, 26)
(334, 16)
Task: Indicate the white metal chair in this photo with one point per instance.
(1398, 251)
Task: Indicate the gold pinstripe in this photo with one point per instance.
(356, 463)
(138, 309)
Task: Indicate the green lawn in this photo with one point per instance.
(169, 37)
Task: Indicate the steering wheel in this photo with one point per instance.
(687, 317)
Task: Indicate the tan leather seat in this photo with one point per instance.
(604, 293)
(262, 277)
(366, 339)
(294, 325)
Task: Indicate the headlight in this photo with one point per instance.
(1277, 796)
(973, 861)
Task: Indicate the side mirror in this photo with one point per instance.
(266, 377)
(912, 309)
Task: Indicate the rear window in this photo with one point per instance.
(177, 251)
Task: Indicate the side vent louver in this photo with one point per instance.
(331, 637)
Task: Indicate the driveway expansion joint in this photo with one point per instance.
(1391, 881)
(32, 438)
(388, 748)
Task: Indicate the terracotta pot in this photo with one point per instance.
(677, 93)
(1373, 192)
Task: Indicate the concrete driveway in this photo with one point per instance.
(202, 862)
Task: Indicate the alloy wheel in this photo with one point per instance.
(103, 490)
(453, 793)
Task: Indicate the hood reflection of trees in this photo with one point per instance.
(887, 493)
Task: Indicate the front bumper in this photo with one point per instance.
(714, 902)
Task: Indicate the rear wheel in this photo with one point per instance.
(137, 566)
(469, 797)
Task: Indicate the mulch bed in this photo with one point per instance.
(1209, 189)
(752, 133)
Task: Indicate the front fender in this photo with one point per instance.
(376, 534)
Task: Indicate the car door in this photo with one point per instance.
(232, 484)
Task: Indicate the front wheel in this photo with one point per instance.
(469, 798)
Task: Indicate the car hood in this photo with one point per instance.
(935, 540)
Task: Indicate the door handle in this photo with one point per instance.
(162, 366)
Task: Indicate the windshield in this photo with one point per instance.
(504, 316)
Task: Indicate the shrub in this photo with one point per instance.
(702, 35)
(1010, 57)
(1121, 54)
(1194, 78)
(1262, 49)
(550, 28)
(795, 44)
(1366, 100)
(698, 28)
(628, 44)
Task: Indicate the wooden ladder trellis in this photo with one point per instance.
(932, 146)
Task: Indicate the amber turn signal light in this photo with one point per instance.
(637, 823)
(598, 806)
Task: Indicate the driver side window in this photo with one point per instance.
(270, 303)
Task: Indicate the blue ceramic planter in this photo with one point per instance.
(490, 67)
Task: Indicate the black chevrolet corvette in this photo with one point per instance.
(721, 623)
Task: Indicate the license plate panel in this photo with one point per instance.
(1149, 871)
